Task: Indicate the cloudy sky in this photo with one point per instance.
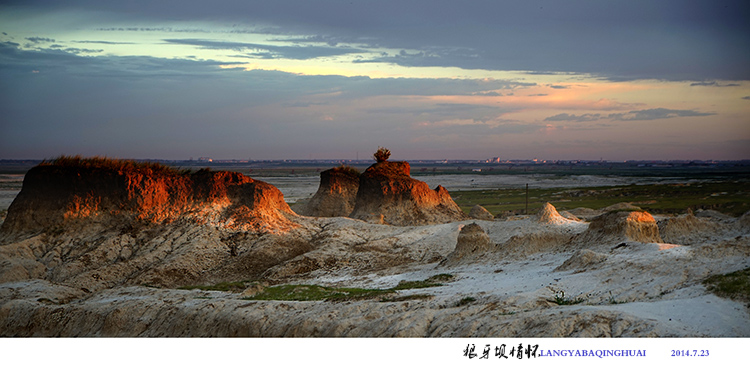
(429, 79)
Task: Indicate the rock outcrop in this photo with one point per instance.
(581, 260)
(586, 214)
(689, 229)
(620, 226)
(336, 194)
(549, 215)
(70, 192)
(387, 189)
(480, 213)
(472, 241)
(96, 223)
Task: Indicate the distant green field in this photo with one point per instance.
(730, 196)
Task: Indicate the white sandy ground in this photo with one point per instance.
(692, 311)
(642, 289)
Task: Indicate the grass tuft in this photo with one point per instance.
(346, 170)
(106, 163)
(735, 285)
(403, 298)
(430, 282)
(317, 292)
(465, 301)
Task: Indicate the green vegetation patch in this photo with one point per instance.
(317, 292)
(728, 196)
(735, 285)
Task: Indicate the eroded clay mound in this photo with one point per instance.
(386, 189)
(613, 227)
(336, 194)
(97, 223)
(689, 229)
(113, 193)
(549, 215)
(472, 241)
(581, 260)
(480, 213)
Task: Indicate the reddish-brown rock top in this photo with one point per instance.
(336, 194)
(387, 192)
(105, 190)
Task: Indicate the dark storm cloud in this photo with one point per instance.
(648, 114)
(617, 40)
(269, 52)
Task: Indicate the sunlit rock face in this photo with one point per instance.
(618, 226)
(336, 194)
(96, 223)
(388, 193)
(105, 192)
(549, 215)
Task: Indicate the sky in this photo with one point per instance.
(428, 79)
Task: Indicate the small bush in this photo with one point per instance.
(404, 298)
(106, 163)
(444, 277)
(465, 301)
(382, 154)
(346, 170)
(612, 299)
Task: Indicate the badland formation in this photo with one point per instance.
(98, 247)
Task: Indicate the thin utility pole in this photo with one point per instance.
(527, 199)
